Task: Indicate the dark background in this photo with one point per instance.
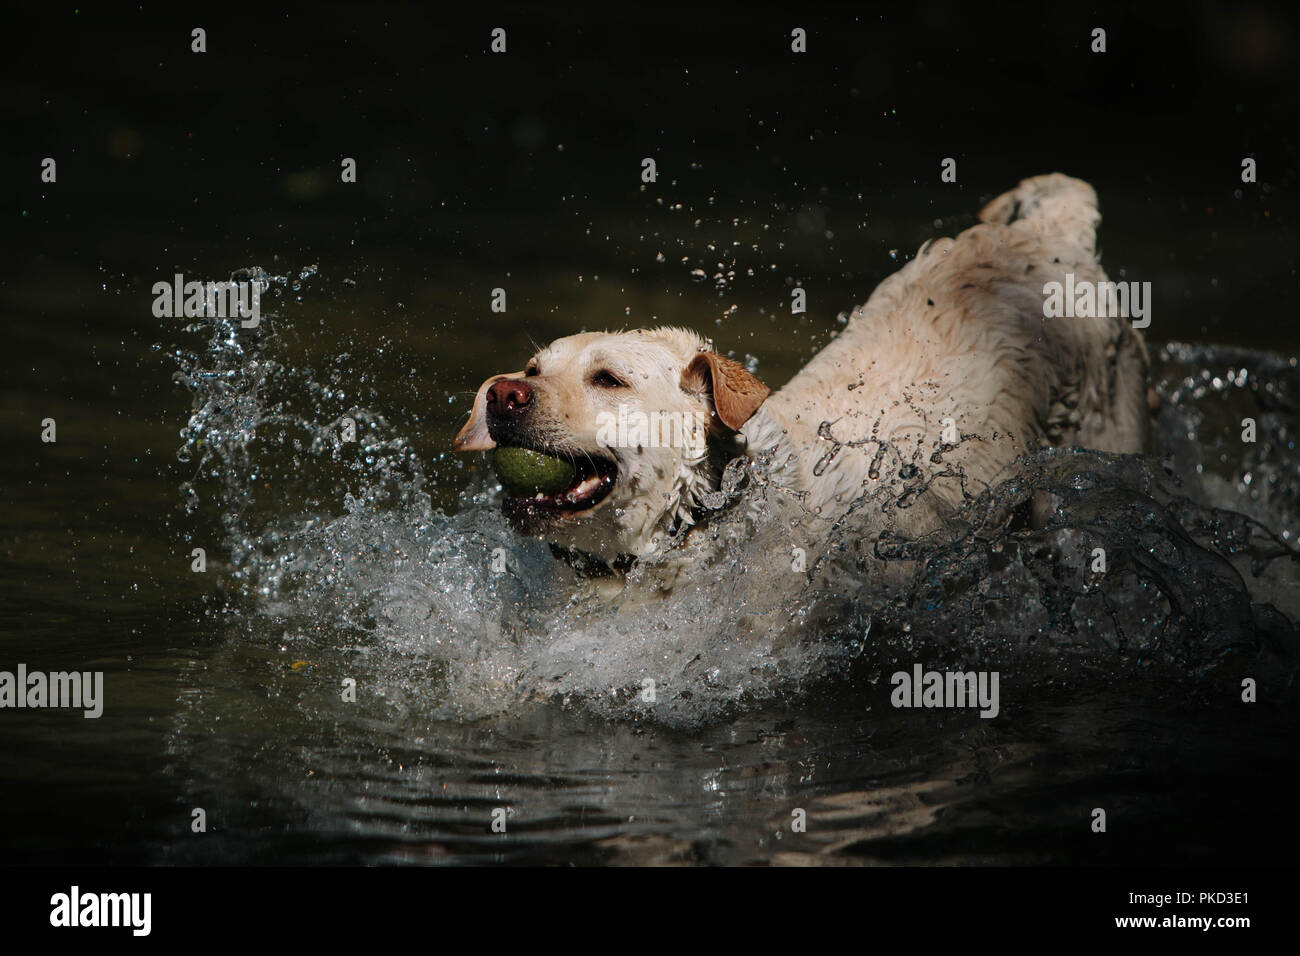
(522, 170)
(526, 162)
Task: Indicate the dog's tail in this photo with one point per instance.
(1063, 211)
(1055, 204)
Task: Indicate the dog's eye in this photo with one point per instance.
(606, 379)
(531, 371)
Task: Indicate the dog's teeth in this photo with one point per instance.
(582, 489)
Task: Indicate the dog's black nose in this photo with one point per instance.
(509, 398)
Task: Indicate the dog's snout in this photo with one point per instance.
(509, 398)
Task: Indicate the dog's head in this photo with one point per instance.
(645, 417)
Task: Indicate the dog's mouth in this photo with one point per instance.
(593, 480)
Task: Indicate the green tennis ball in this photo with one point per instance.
(525, 472)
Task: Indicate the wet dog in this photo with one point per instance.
(951, 370)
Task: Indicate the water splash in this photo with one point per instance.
(337, 556)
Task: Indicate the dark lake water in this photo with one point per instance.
(479, 692)
(223, 688)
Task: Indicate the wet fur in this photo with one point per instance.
(958, 333)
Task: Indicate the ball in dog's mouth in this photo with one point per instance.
(542, 486)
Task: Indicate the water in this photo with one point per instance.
(372, 561)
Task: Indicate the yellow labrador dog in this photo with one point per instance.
(950, 371)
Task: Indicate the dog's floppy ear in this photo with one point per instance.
(474, 436)
(736, 393)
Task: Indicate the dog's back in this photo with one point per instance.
(951, 369)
